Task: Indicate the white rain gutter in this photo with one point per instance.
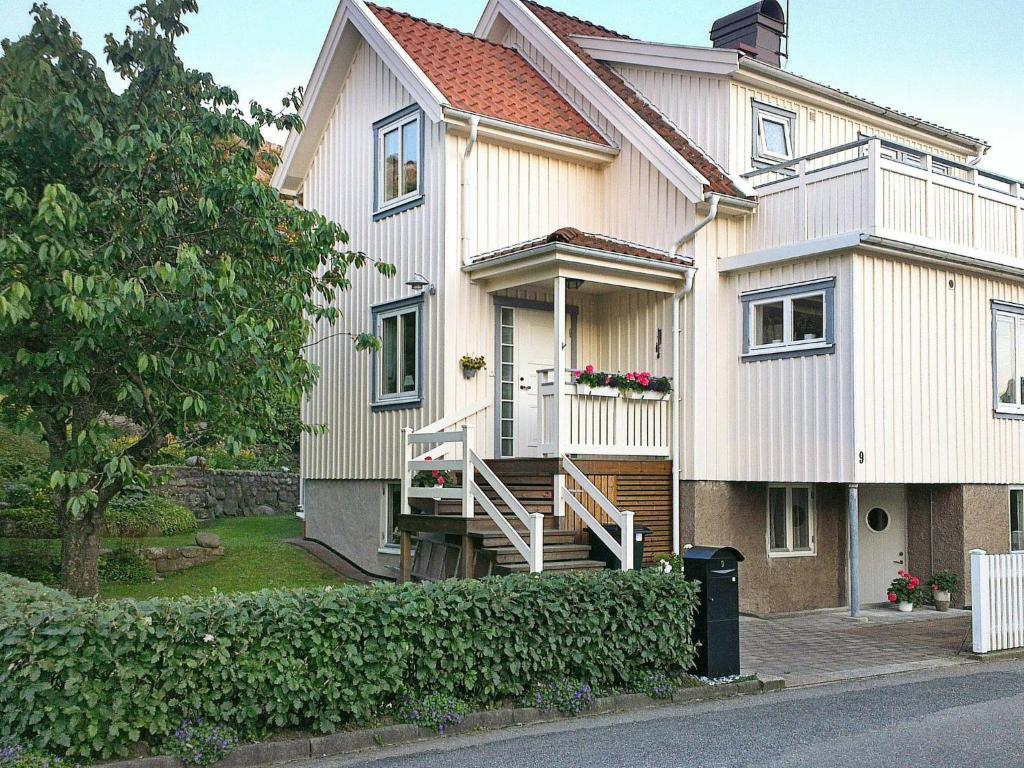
(677, 299)
(474, 124)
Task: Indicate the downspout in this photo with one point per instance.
(474, 124)
(677, 299)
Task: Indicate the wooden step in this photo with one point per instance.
(498, 539)
(558, 566)
(552, 553)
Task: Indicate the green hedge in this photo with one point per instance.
(22, 456)
(90, 679)
(129, 517)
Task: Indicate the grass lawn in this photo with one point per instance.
(255, 557)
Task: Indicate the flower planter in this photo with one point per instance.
(588, 391)
(647, 395)
(941, 600)
(469, 373)
(905, 607)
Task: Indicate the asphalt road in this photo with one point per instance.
(970, 715)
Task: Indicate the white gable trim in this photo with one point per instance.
(352, 21)
(688, 58)
(679, 172)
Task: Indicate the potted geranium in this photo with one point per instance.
(643, 385)
(470, 365)
(942, 583)
(594, 383)
(430, 478)
(905, 591)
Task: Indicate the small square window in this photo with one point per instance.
(773, 134)
(790, 521)
(399, 162)
(789, 320)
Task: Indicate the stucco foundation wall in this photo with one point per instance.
(735, 514)
(986, 523)
(345, 515)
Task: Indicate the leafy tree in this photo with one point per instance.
(144, 271)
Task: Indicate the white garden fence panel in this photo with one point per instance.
(997, 601)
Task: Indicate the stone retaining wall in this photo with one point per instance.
(213, 493)
(175, 559)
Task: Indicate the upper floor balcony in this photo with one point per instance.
(878, 191)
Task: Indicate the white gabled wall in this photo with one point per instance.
(360, 443)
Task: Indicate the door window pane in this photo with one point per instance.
(410, 156)
(801, 518)
(392, 154)
(809, 318)
(769, 323)
(777, 519)
(1017, 519)
(389, 356)
(409, 350)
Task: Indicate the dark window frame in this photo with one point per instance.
(401, 400)
(383, 209)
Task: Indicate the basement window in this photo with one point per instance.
(1008, 358)
(1017, 519)
(773, 132)
(390, 510)
(789, 321)
(398, 154)
(790, 521)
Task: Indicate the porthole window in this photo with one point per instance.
(878, 519)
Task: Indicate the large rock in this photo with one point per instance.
(207, 540)
(264, 510)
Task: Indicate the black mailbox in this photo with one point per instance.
(717, 623)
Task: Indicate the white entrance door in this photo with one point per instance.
(882, 539)
(534, 349)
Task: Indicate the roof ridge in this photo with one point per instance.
(438, 25)
(565, 15)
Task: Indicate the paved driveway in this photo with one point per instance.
(826, 646)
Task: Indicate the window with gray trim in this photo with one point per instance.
(788, 321)
(397, 374)
(1008, 358)
(790, 521)
(398, 160)
(1017, 519)
(774, 134)
(391, 509)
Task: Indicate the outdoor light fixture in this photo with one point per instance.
(420, 283)
(573, 283)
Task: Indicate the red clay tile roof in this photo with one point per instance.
(485, 78)
(564, 26)
(574, 237)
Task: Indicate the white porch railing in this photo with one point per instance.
(623, 548)
(469, 492)
(595, 425)
(997, 601)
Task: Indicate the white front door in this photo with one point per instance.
(882, 539)
(534, 350)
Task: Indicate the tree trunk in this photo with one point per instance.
(80, 556)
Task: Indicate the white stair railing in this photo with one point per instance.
(622, 549)
(469, 492)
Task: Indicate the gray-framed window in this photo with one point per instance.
(790, 521)
(1017, 519)
(1008, 359)
(398, 162)
(506, 327)
(391, 508)
(398, 366)
(773, 135)
(789, 321)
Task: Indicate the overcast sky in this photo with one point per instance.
(959, 63)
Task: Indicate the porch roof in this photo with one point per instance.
(569, 252)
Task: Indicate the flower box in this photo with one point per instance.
(587, 391)
(647, 395)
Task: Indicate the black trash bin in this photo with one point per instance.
(717, 623)
(599, 550)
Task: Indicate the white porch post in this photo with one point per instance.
(853, 546)
(559, 411)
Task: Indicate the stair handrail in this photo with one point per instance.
(532, 550)
(622, 549)
(444, 423)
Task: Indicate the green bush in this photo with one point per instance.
(90, 679)
(126, 565)
(127, 517)
(23, 457)
(32, 560)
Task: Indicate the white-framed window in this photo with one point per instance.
(790, 320)
(397, 366)
(506, 323)
(790, 521)
(398, 153)
(774, 129)
(1017, 519)
(1008, 358)
(391, 508)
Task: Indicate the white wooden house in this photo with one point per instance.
(833, 289)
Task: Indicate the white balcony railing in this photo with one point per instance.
(596, 424)
(890, 191)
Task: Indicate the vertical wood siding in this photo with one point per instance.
(360, 443)
(924, 376)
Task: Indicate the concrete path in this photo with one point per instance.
(961, 716)
(827, 646)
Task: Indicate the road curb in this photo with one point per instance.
(1008, 654)
(347, 742)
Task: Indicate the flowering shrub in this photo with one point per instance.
(943, 581)
(433, 477)
(906, 588)
(669, 563)
(435, 711)
(17, 756)
(657, 685)
(568, 695)
(634, 381)
(197, 742)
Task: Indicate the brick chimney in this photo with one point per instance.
(757, 30)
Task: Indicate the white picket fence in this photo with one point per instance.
(997, 601)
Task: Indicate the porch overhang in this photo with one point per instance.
(546, 261)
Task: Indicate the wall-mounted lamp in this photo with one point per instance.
(573, 283)
(420, 283)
